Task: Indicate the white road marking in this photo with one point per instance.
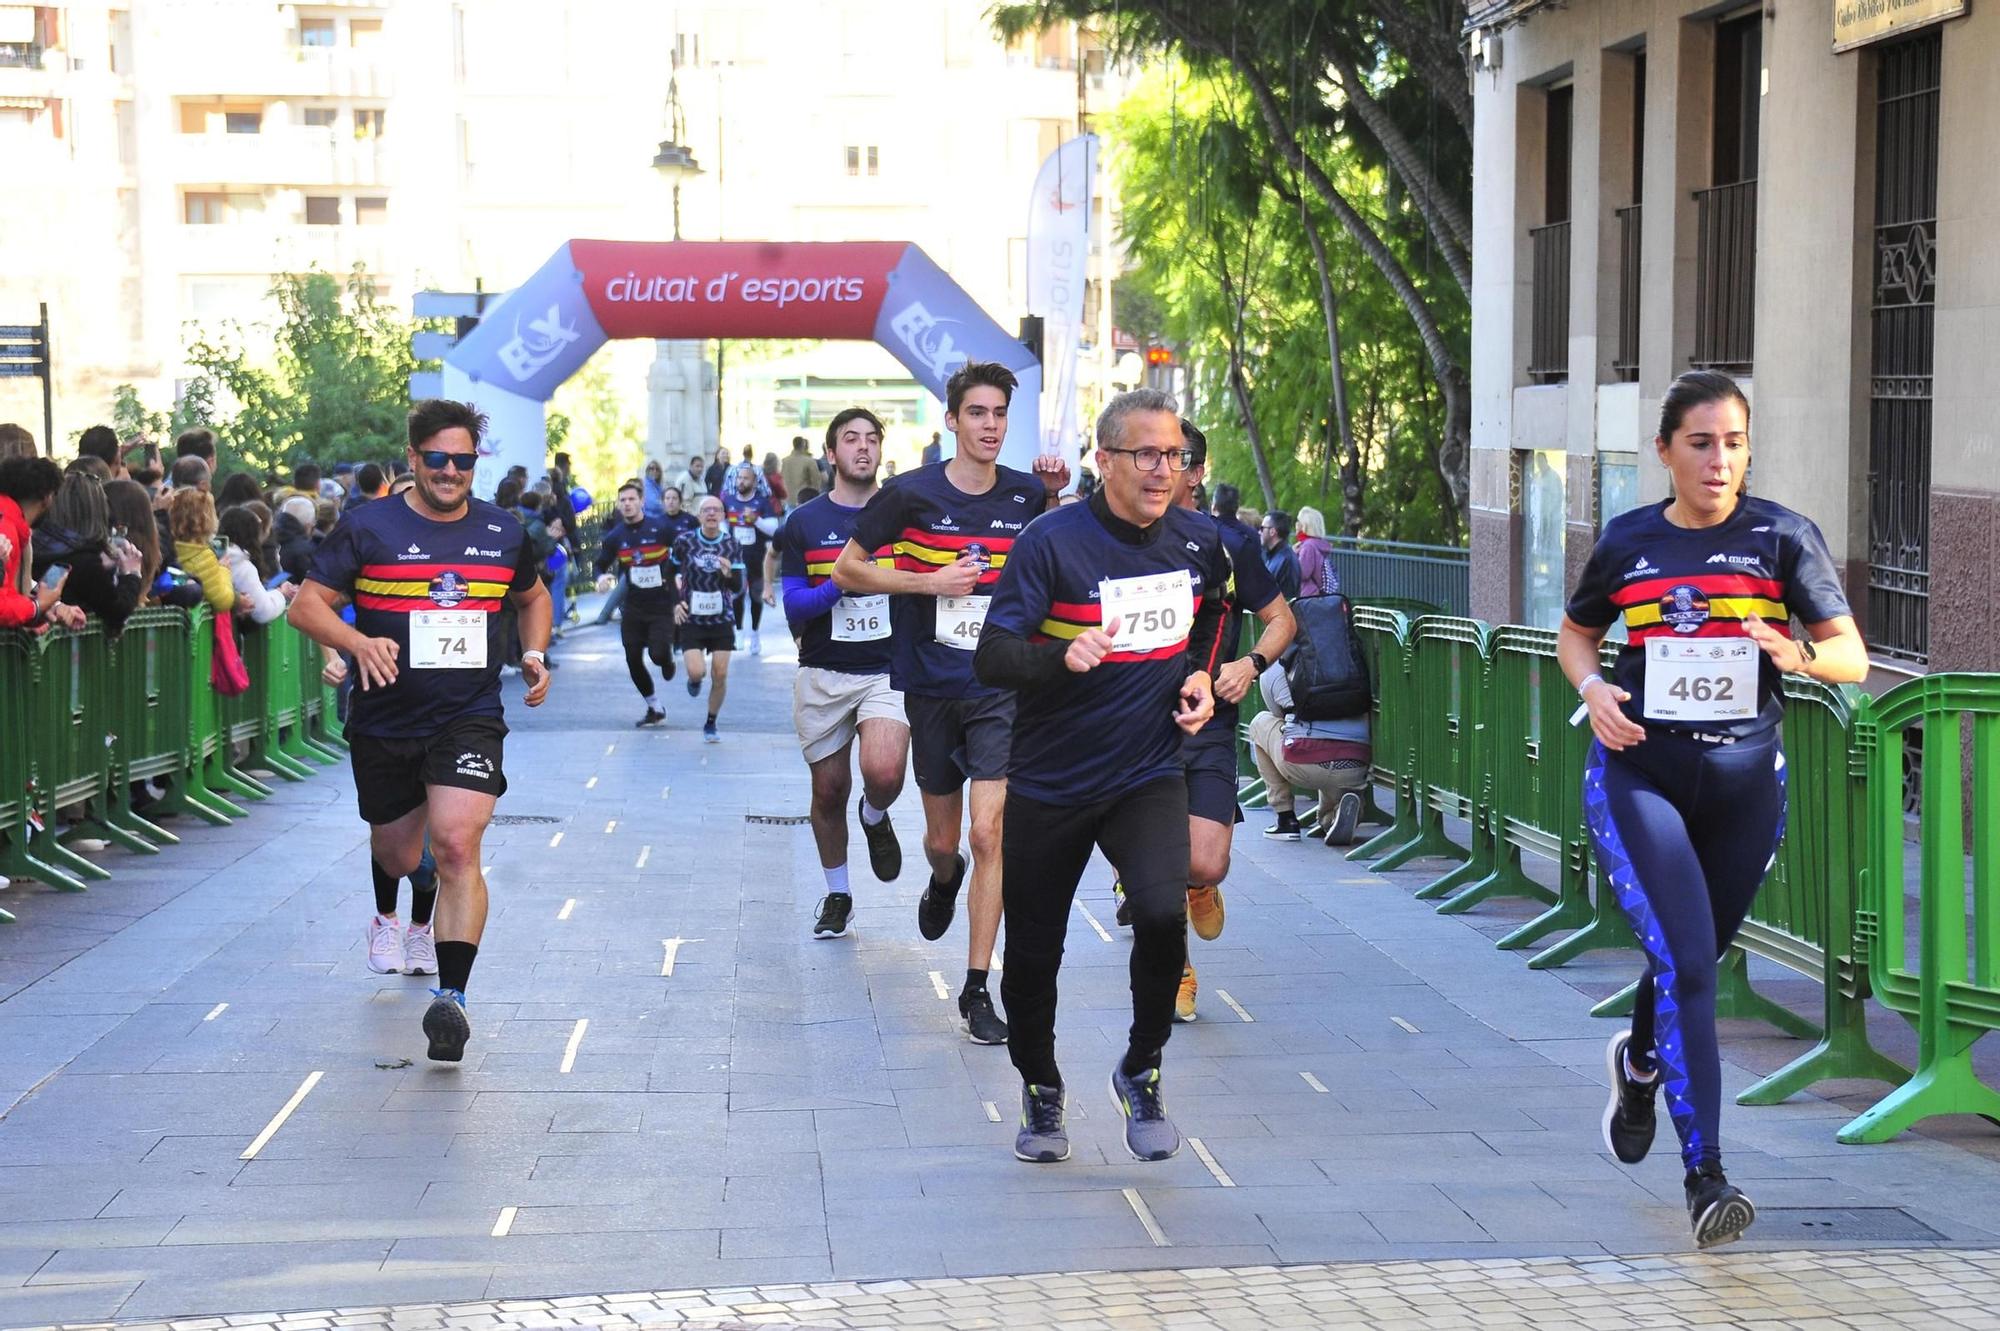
(1093, 920)
(505, 1222)
(1406, 1026)
(271, 1128)
(1315, 1083)
(937, 983)
(611, 827)
(1145, 1214)
(1221, 1175)
(216, 1011)
(609, 748)
(1234, 1006)
(590, 784)
(992, 1111)
(568, 906)
(673, 947)
(575, 1039)
(666, 791)
(555, 841)
(645, 853)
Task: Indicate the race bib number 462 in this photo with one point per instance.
(960, 620)
(448, 640)
(1701, 679)
(1152, 612)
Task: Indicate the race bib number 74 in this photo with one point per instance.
(448, 640)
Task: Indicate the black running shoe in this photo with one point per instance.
(978, 1019)
(652, 717)
(1629, 1120)
(446, 1026)
(1285, 829)
(939, 903)
(694, 687)
(1717, 1208)
(835, 909)
(885, 853)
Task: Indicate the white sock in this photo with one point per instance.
(836, 879)
(870, 814)
(652, 703)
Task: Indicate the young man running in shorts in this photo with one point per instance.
(708, 570)
(639, 547)
(427, 573)
(842, 688)
(949, 527)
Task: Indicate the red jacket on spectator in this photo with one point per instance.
(17, 609)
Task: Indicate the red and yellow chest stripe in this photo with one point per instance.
(1721, 602)
(407, 587)
(1067, 619)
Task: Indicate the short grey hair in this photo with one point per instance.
(1111, 421)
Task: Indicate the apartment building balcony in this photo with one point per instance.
(303, 155)
(237, 249)
(253, 65)
(27, 70)
(1725, 277)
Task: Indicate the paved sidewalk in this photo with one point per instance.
(1369, 1083)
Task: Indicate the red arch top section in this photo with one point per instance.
(736, 288)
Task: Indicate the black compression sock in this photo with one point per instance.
(385, 888)
(455, 964)
(974, 980)
(422, 903)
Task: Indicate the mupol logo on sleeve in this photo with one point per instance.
(924, 334)
(545, 339)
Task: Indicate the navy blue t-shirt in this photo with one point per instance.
(641, 551)
(1093, 736)
(1250, 588)
(811, 540)
(1682, 584)
(927, 522)
(393, 563)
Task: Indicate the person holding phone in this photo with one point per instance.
(27, 486)
(100, 572)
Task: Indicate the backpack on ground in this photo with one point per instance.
(1324, 666)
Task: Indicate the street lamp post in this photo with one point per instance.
(679, 367)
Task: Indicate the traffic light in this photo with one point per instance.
(1159, 357)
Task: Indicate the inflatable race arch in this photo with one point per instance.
(591, 291)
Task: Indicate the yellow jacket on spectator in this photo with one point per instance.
(199, 562)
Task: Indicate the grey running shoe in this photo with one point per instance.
(1043, 1138)
(1149, 1133)
(446, 1026)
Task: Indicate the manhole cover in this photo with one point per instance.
(778, 819)
(1873, 1224)
(515, 819)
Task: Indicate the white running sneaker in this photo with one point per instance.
(420, 955)
(385, 946)
(756, 647)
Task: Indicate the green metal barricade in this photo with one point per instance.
(1804, 915)
(148, 698)
(1385, 640)
(211, 772)
(21, 850)
(1448, 685)
(1535, 804)
(69, 760)
(1951, 988)
(319, 707)
(276, 646)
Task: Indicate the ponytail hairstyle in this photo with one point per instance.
(1694, 389)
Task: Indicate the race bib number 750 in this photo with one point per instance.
(1152, 612)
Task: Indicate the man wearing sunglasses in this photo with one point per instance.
(1102, 624)
(427, 572)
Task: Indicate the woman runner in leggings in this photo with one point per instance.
(1684, 788)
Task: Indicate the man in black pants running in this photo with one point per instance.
(1100, 613)
(641, 548)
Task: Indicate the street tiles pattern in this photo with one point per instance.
(671, 1084)
(1826, 1292)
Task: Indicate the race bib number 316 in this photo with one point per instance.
(860, 619)
(1701, 679)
